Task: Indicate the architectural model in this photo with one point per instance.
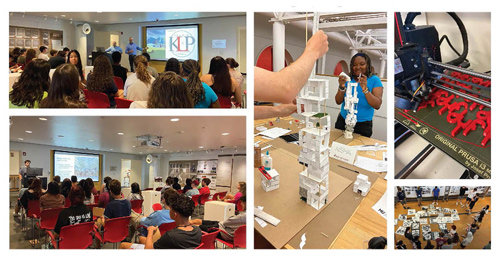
(350, 105)
(314, 140)
(270, 179)
(362, 185)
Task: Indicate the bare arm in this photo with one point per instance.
(283, 86)
(262, 112)
(374, 98)
(339, 97)
(237, 91)
(149, 239)
(216, 104)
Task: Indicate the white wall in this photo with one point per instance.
(478, 27)
(212, 28)
(39, 155)
(295, 43)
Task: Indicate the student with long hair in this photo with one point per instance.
(89, 197)
(138, 85)
(232, 64)
(77, 213)
(66, 187)
(101, 79)
(242, 191)
(219, 79)
(34, 192)
(32, 86)
(75, 59)
(64, 89)
(30, 55)
(135, 192)
(168, 91)
(53, 198)
(203, 96)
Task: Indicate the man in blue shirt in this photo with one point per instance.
(131, 50)
(435, 192)
(161, 216)
(114, 48)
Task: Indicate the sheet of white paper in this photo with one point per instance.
(371, 147)
(370, 164)
(274, 132)
(261, 222)
(381, 206)
(56, 45)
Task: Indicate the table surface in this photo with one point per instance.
(364, 219)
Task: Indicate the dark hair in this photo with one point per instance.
(64, 91)
(107, 180)
(169, 195)
(57, 179)
(85, 186)
(142, 73)
(135, 188)
(36, 186)
(481, 216)
(173, 65)
(188, 182)
(243, 187)
(169, 180)
(102, 75)
(169, 91)
(74, 178)
(115, 187)
(30, 181)
(206, 181)
(16, 51)
(53, 52)
(183, 205)
(61, 54)
(53, 188)
(222, 78)
(441, 234)
(78, 65)
(232, 63)
(176, 180)
(30, 55)
(377, 243)
(42, 48)
(449, 241)
(27, 161)
(191, 69)
(90, 182)
(368, 72)
(116, 56)
(66, 186)
(66, 49)
(76, 195)
(31, 85)
(145, 54)
(455, 238)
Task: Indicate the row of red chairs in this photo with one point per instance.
(101, 100)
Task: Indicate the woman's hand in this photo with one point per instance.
(363, 82)
(151, 229)
(342, 81)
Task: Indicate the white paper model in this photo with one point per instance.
(314, 139)
(362, 185)
(273, 183)
(350, 105)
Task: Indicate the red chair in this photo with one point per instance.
(148, 189)
(33, 212)
(118, 82)
(199, 247)
(157, 206)
(159, 189)
(239, 206)
(208, 240)
(180, 191)
(78, 236)
(96, 198)
(196, 200)
(48, 219)
(115, 231)
(204, 198)
(96, 99)
(123, 103)
(219, 195)
(239, 240)
(137, 205)
(166, 227)
(67, 203)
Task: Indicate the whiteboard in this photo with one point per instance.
(224, 170)
(239, 172)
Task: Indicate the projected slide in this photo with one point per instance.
(82, 165)
(180, 42)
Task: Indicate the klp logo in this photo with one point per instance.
(182, 43)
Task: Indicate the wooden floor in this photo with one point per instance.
(365, 223)
(482, 236)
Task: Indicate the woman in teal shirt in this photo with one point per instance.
(32, 85)
(370, 91)
(203, 95)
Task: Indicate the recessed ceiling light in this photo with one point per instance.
(91, 140)
(63, 15)
(42, 119)
(201, 147)
(111, 149)
(225, 133)
(174, 119)
(120, 134)
(176, 15)
(29, 132)
(130, 19)
(20, 139)
(96, 21)
(165, 150)
(133, 146)
(140, 152)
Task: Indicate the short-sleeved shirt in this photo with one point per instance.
(110, 91)
(419, 193)
(192, 192)
(462, 191)
(210, 97)
(436, 192)
(120, 72)
(118, 208)
(155, 219)
(471, 194)
(365, 111)
(73, 215)
(440, 241)
(136, 90)
(401, 195)
(205, 190)
(179, 239)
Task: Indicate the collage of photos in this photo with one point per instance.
(321, 91)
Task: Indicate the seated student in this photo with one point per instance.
(204, 186)
(184, 236)
(118, 70)
(168, 184)
(377, 243)
(400, 245)
(104, 186)
(187, 186)
(194, 189)
(118, 207)
(429, 245)
(448, 245)
(203, 95)
(101, 79)
(31, 87)
(229, 225)
(64, 91)
(34, 192)
(135, 192)
(138, 85)
(161, 216)
(176, 184)
(21, 60)
(57, 60)
(43, 53)
(20, 195)
(66, 187)
(89, 197)
(151, 70)
(236, 75)
(440, 241)
(57, 179)
(167, 91)
(93, 189)
(77, 213)
(173, 65)
(219, 79)
(53, 53)
(52, 199)
(105, 197)
(242, 190)
(74, 180)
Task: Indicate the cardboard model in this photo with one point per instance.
(350, 105)
(362, 185)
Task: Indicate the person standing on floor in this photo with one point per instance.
(435, 193)
(131, 50)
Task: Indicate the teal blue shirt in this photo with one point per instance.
(365, 111)
(210, 97)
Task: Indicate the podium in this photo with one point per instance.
(218, 210)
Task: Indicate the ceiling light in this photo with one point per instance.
(165, 150)
(174, 119)
(225, 133)
(140, 152)
(96, 21)
(29, 132)
(120, 134)
(99, 12)
(91, 140)
(133, 146)
(63, 15)
(201, 147)
(130, 19)
(176, 15)
(20, 139)
(42, 119)
(111, 149)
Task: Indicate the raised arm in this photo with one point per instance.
(284, 85)
(283, 110)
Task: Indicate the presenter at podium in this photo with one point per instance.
(23, 174)
(131, 50)
(114, 48)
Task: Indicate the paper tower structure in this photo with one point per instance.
(362, 185)
(350, 106)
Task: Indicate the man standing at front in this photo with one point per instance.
(131, 50)
(23, 174)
